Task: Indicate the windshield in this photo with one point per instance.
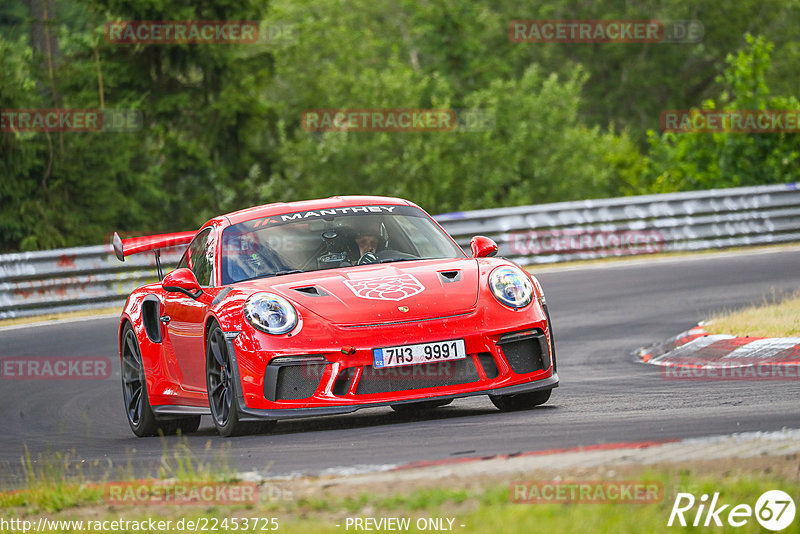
(330, 239)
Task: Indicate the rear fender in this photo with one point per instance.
(143, 311)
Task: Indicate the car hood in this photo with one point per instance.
(385, 293)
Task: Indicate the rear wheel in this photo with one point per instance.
(416, 408)
(222, 389)
(140, 414)
(520, 401)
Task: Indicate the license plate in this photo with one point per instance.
(421, 353)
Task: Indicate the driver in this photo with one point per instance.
(367, 243)
(369, 237)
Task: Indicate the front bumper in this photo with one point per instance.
(317, 376)
(252, 414)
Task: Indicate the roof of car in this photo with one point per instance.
(280, 208)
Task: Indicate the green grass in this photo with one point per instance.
(56, 481)
(776, 317)
(45, 316)
(424, 499)
(482, 509)
(53, 482)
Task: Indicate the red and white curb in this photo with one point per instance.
(776, 358)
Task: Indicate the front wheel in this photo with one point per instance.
(222, 389)
(140, 414)
(520, 401)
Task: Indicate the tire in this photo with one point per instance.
(141, 418)
(417, 408)
(520, 401)
(221, 388)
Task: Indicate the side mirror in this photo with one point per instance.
(482, 247)
(182, 281)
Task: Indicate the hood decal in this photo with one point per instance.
(397, 287)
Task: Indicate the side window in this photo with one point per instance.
(199, 257)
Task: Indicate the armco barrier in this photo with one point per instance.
(588, 229)
(34, 283)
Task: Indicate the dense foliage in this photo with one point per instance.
(222, 125)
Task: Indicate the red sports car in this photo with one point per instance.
(325, 307)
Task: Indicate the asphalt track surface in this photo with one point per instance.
(601, 314)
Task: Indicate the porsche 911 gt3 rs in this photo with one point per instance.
(325, 307)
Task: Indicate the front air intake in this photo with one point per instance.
(293, 377)
(526, 351)
(421, 376)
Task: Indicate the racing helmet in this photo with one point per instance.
(370, 227)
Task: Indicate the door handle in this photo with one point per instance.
(164, 319)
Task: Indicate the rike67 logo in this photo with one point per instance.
(774, 510)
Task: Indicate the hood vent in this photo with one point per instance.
(450, 276)
(311, 291)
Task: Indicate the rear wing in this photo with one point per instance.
(136, 245)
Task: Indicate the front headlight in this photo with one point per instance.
(270, 313)
(511, 286)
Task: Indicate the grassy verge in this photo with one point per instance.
(779, 318)
(61, 316)
(56, 481)
(480, 507)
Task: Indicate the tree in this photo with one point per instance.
(683, 161)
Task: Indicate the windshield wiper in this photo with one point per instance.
(281, 273)
(392, 260)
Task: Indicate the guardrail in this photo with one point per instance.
(588, 229)
(34, 283)
(71, 279)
